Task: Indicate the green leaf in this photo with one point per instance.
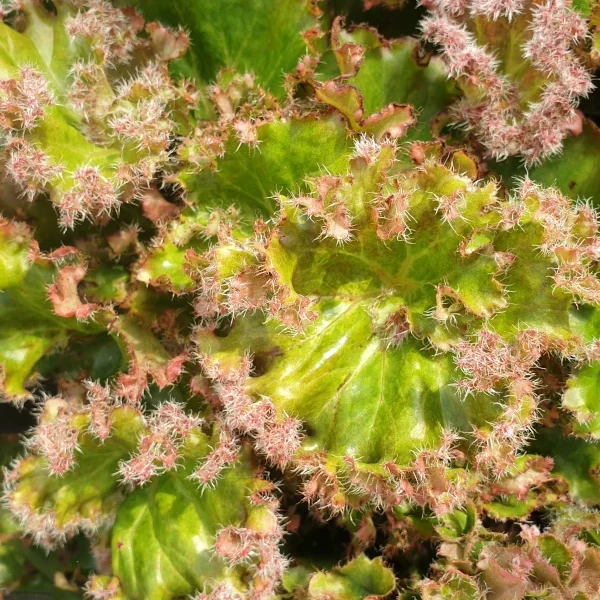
(296, 578)
(106, 284)
(12, 558)
(39, 586)
(147, 356)
(390, 72)
(165, 265)
(510, 508)
(105, 584)
(85, 495)
(15, 244)
(393, 121)
(29, 329)
(20, 562)
(247, 179)
(263, 37)
(322, 377)
(583, 6)
(557, 554)
(581, 396)
(98, 358)
(585, 322)
(43, 44)
(550, 312)
(22, 344)
(575, 460)
(55, 47)
(359, 287)
(59, 135)
(453, 586)
(287, 152)
(76, 147)
(458, 523)
(359, 579)
(163, 540)
(13, 564)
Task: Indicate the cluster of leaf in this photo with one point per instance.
(286, 331)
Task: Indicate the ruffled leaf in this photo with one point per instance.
(221, 33)
(171, 538)
(581, 397)
(575, 461)
(287, 152)
(391, 72)
(29, 328)
(359, 579)
(55, 506)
